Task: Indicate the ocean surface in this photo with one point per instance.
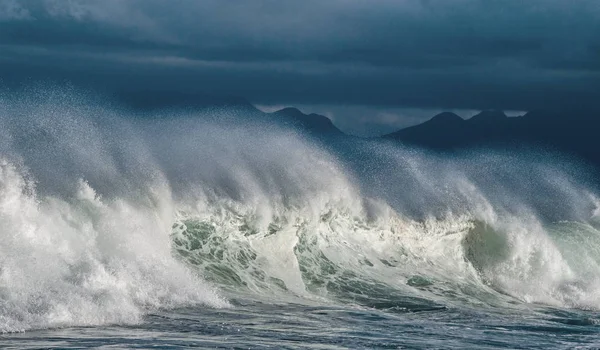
(215, 229)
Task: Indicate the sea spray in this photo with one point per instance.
(86, 261)
(108, 215)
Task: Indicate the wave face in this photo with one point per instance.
(106, 215)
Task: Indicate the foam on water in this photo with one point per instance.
(106, 216)
(86, 261)
(396, 262)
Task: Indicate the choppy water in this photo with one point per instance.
(216, 229)
(251, 325)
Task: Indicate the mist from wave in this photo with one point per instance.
(108, 214)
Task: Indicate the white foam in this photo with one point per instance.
(88, 196)
(86, 262)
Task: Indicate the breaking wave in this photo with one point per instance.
(107, 215)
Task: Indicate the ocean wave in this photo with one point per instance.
(107, 215)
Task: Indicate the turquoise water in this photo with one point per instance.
(209, 230)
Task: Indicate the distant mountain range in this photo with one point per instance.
(576, 132)
(572, 132)
(156, 100)
(313, 123)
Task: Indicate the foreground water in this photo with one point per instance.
(218, 230)
(253, 325)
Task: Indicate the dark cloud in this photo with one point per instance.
(458, 54)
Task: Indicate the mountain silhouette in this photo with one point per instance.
(315, 124)
(158, 100)
(572, 132)
(575, 132)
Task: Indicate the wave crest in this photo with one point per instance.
(107, 214)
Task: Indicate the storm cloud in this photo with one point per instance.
(427, 54)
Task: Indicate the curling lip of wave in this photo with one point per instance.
(106, 217)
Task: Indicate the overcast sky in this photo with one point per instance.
(372, 66)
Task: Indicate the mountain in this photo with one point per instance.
(573, 132)
(313, 123)
(442, 131)
(157, 100)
